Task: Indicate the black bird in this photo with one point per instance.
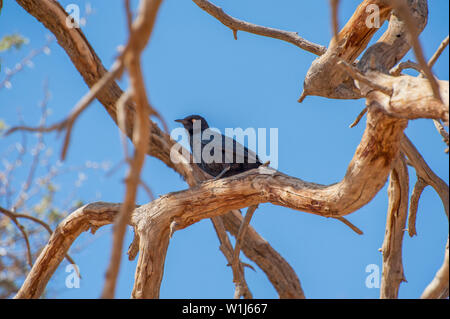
(226, 156)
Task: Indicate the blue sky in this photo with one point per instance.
(194, 66)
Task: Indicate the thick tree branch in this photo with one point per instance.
(90, 67)
(366, 173)
(323, 79)
(91, 216)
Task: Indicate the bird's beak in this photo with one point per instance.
(182, 121)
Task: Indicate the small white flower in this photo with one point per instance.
(8, 84)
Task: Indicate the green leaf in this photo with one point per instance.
(12, 41)
(2, 123)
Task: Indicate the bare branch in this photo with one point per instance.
(438, 287)
(67, 123)
(397, 70)
(334, 19)
(85, 59)
(227, 250)
(398, 191)
(25, 187)
(141, 31)
(236, 24)
(404, 12)
(278, 271)
(349, 224)
(442, 131)
(358, 118)
(240, 291)
(354, 73)
(89, 216)
(412, 97)
(438, 52)
(425, 172)
(413, 205)
(13, 218)
(28, 60)
(323, 79)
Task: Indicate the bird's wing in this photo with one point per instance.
(242, 152)
(228, 146)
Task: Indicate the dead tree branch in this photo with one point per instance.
(375, 158)
(438, 287)
(398, 190)
(227, 250)
(404, 12)
(235, 263)
(141, 30)
(91, 216)
(438, 52)
(240, 25)
(84, 58)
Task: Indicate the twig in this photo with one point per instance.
(133, 249)
(148, 190)
(62, 238)
(349, 224)
(67, 123)
(129, 15)
(439, 286)
(425, 172)
(334, 19)
(26, 61)
(141, 31)
(413, 205)
(227, 250)
(405, 14)
(355, 74)
(36, 157)
(442, 131)
(358, 118)
(236, 24)
(13, 218)
(302, 97)
(397, 70)
(121, 121)
(237, 247)
(438, 52)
